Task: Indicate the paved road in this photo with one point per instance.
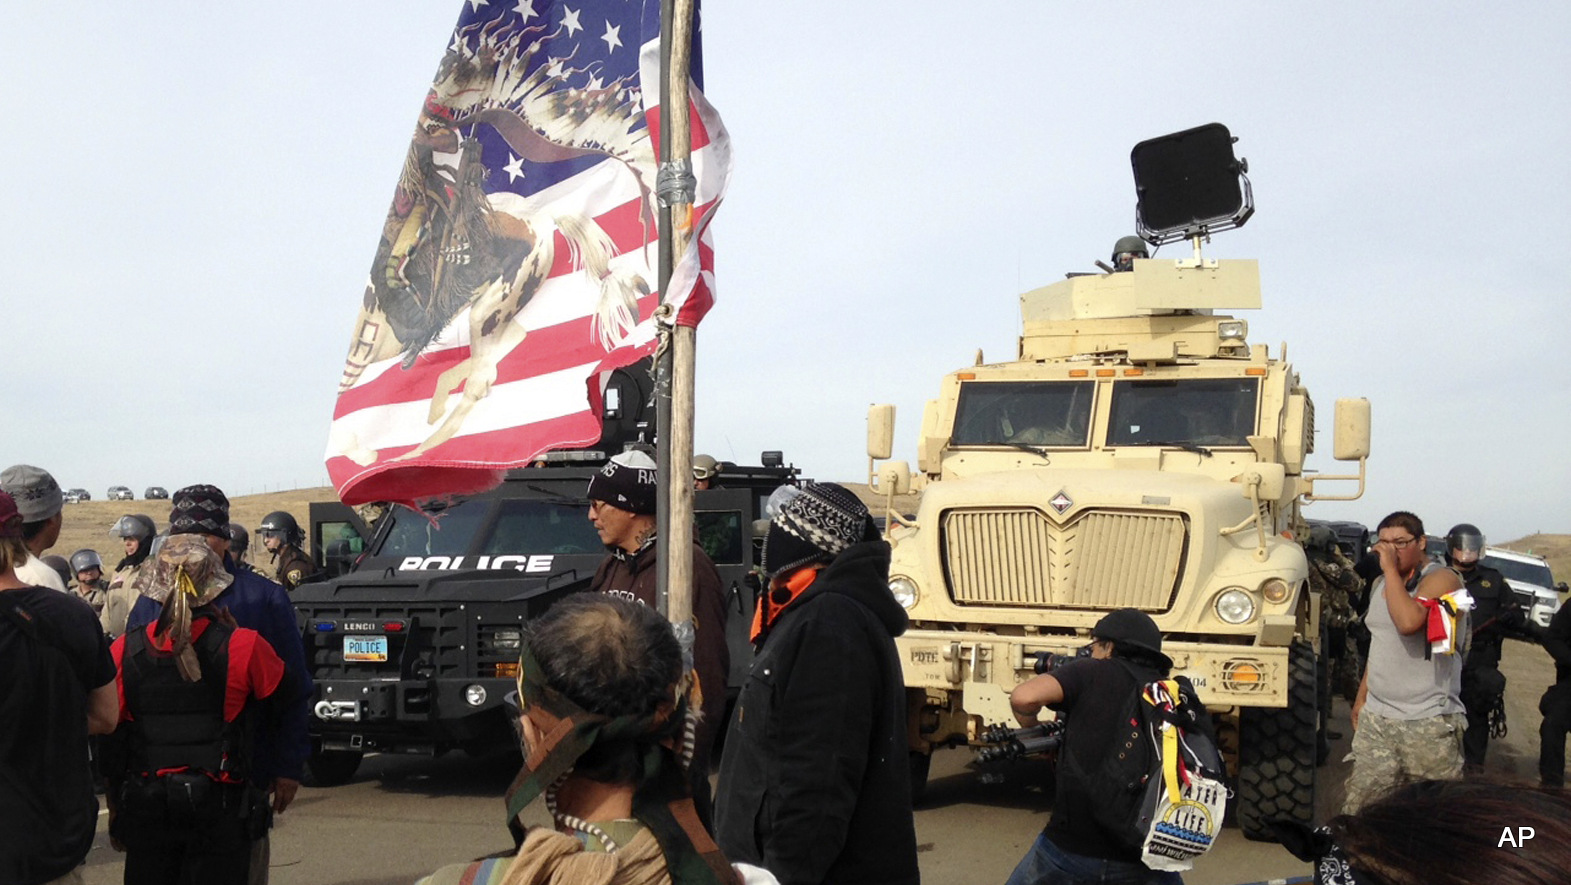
(403, 817)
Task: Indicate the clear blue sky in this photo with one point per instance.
(196, 198)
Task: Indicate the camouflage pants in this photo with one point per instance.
(1347, 666)
(1390, 752)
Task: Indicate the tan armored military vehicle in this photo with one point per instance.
(1138, 452)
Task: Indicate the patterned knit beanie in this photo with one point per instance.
(200, 510)
(626, 482)
(815, 526)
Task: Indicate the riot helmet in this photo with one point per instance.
(1321, 539)
(282, 526)
(84, 559)
(134, 525)
(60, 566)
(1126, 250)
(1464, 544)
(239, 540)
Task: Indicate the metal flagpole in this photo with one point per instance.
(674, 368)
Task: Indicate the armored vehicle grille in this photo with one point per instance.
(1101, 559)
(431, 643)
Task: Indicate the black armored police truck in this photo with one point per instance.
(413, 638)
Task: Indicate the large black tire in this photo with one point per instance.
(332, 768)
(1276, 754)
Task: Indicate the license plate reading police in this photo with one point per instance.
(365, 648)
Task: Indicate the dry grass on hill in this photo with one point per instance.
(87, 524)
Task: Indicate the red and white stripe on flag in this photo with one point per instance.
(518, 264)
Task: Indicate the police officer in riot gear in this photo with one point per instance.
(1126, 250)
(88, 569)
(705, 468)
(239, 543)
(136, 531)
(1341, 667)
(1496, 615)
(283, 538)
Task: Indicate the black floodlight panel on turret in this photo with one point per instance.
(1190, 184)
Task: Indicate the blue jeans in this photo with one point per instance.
(1047, 864)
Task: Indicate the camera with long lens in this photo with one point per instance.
(1048, 661)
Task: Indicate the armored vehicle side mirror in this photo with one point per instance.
(1351, 441)
(894, 478)
(1264, 482)
(880, 431)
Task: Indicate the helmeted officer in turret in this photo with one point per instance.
(283, 538)
(1126, 250)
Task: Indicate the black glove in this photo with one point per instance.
(1513, 617)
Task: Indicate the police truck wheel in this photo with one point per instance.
(332, 768)
(1276, 756)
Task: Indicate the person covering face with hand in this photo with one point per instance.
(1408, 719)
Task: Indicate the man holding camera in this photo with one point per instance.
(1089, 692)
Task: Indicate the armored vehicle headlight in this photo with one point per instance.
(904, 591)
(1235, 606)
(1232, 330)
(1275, 590)
(506, 639)
(474, 695)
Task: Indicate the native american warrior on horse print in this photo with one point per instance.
(480, 215)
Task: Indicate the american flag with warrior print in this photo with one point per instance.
(518, 264)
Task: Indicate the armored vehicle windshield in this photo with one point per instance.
(1199, 411)
(1038, 413)
(489, 527)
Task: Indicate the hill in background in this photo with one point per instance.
(87, 524)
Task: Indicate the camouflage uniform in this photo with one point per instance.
(1333, 577)
(1392, 751)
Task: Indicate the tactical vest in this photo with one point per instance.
(179, 724)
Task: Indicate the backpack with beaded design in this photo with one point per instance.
(1160, 789)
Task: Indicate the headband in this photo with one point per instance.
(662, 801)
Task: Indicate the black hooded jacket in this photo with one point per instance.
(815, 783)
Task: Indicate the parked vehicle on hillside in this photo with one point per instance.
(76, 496)
(156, 493)
(121, 493)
